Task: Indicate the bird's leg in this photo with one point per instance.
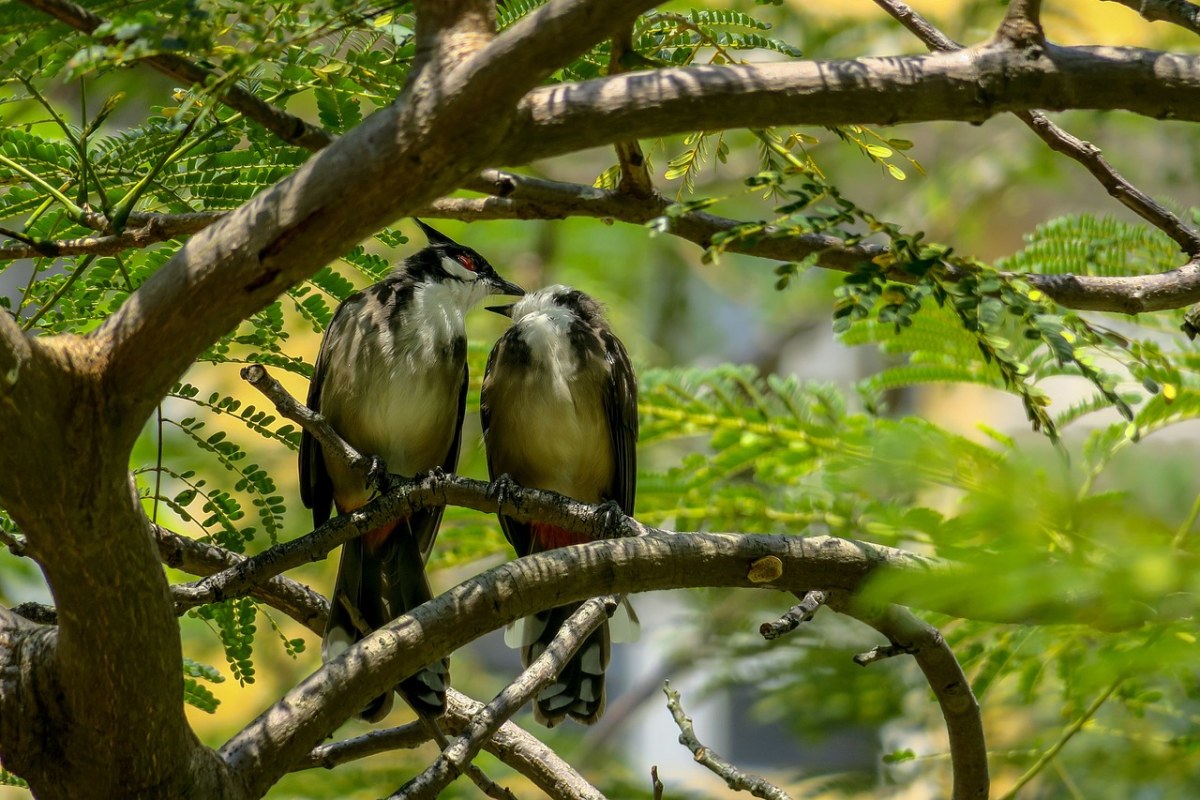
(378, 477)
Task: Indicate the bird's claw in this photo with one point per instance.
(500, 489)
(611, 514)
(378, 477)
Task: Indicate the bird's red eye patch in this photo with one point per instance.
(466, 261)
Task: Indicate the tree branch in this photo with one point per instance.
(285, 733)
(541, 673)
(523, 752)
(736, 779)
(635, 173)
(511, 744)
(798, 614)
(544, 40)
(287, 127)
(517, 196)
(960, 710)
(1060, 141)
(291, 597)
(143, 229)
(970, 86)
(1022, 24)
(1177, 12)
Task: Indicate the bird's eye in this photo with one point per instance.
(466, 261)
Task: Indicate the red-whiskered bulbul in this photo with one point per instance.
(559, 410)
(391, 379)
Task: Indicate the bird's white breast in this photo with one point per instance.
(393, 385)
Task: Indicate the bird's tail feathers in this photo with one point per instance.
(578, 691)
(406, 586)
(375, 585)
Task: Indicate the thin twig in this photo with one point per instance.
(1022, 24)
(1177, 12)
(736, 779)
(291, 597)
(881, 652)
(1059, 140)
(334, 754)
(287, 127)
(800, 613)
(332, 444)
(655, 783)
(541, 673)
(510, 743)
(1067, 734)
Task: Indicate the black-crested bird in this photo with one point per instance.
(559, 409)
(391, 379)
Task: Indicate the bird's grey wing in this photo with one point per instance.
(620, 406)
(425, 523)
(316, 486)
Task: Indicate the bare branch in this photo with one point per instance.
(635, 173)
(971, 86)
(511, 744)
(298, 722)
(142, 230)
(1059, 140)
(1117, 186)
(334, 754)
(800, 613)
(736, 779)
(541, 673)
(964, 725)
(1022, 24)
(332, 444)
(880, 652)
(544, 40)
(287, 127)
(291, 597)
(1177, 12)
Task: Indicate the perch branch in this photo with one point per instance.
(736, 779)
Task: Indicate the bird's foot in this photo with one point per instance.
(501, 490)
(378, 477)
(612, 517)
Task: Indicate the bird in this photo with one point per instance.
(559, 412)
(391, 379)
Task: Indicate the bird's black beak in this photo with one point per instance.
(501, 286)
(504, 311)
